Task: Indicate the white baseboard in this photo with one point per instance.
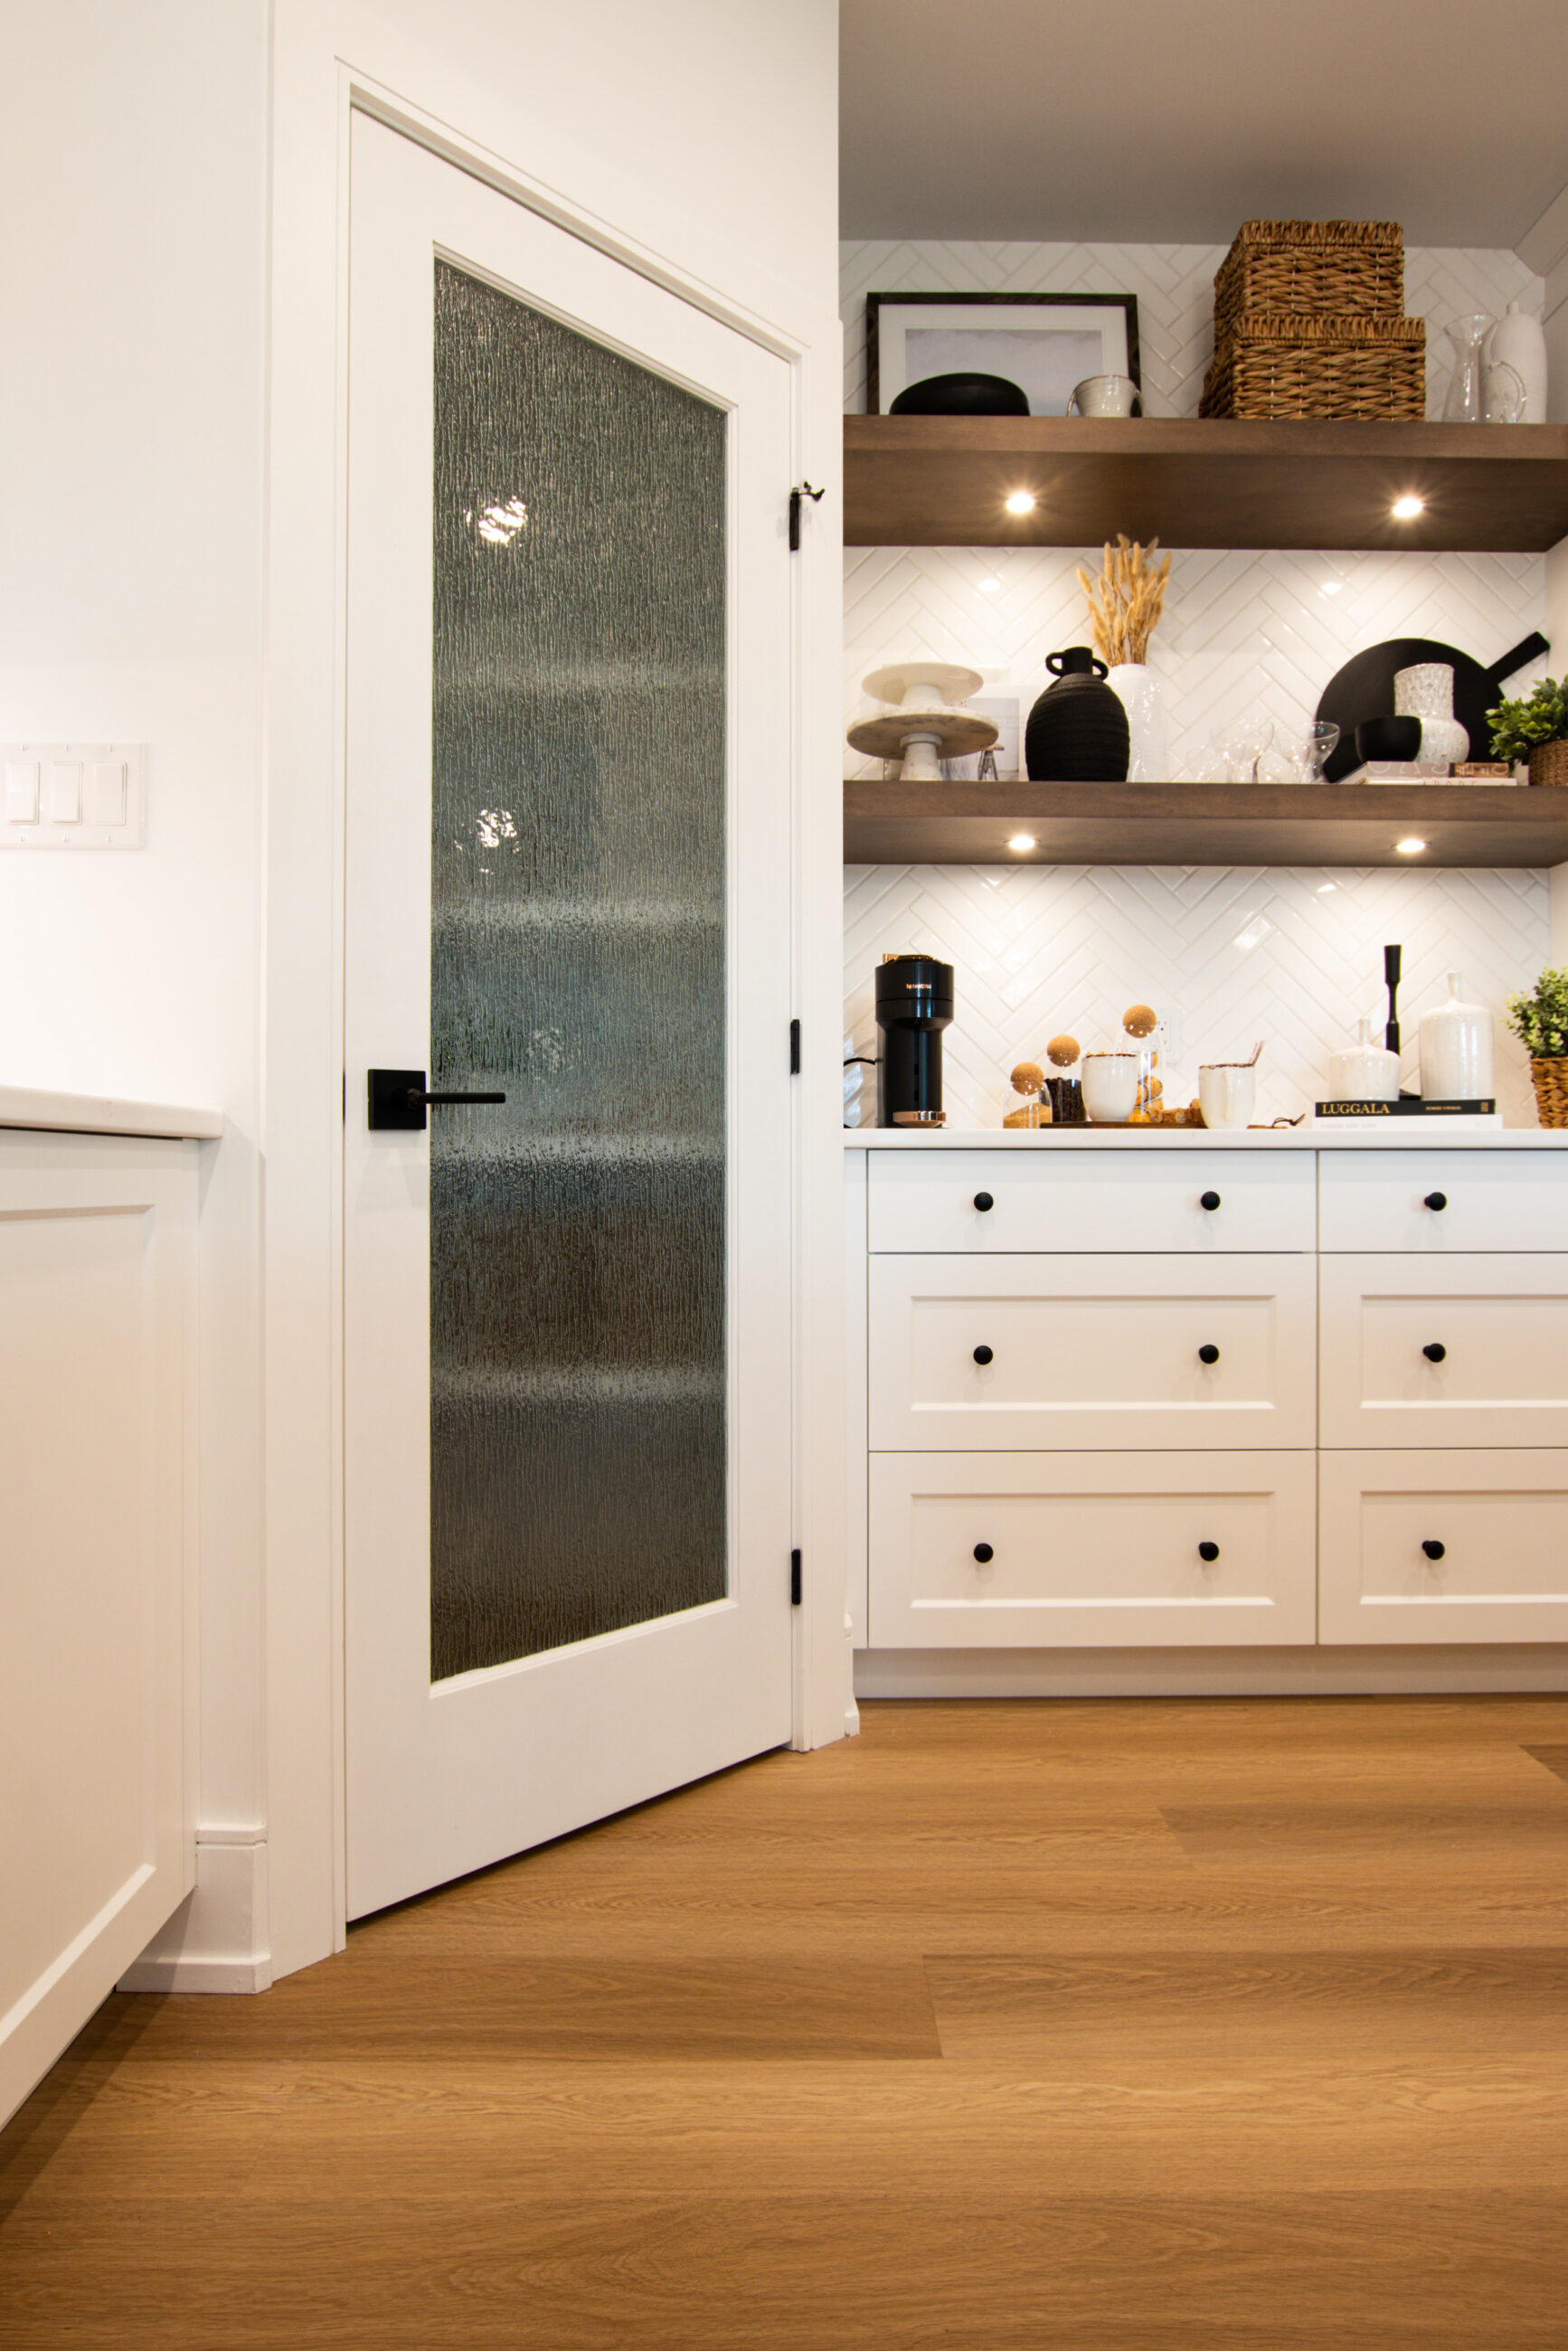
(217, 1938)
(1209, 1673)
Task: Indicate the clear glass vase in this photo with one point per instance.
(1465, 403)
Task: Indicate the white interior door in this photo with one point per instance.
(567, 882)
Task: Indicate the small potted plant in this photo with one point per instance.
(1534, 730)
(1541, 1020)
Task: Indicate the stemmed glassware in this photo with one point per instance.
(1315, 749)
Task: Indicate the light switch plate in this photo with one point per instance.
(105, 783)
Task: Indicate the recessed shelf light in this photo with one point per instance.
(1020, 502)
(1407, 509)
(1021, 840)
(1410, 848)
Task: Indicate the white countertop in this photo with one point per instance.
(1334, 1135)
(52, 1113)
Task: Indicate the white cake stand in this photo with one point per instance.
(924, 723)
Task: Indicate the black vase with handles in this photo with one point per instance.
(1076, 731)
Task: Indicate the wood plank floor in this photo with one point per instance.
(1113, 2026)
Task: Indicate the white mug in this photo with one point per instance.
(1106, 395)
(1110, 1087)
(1226, 1093)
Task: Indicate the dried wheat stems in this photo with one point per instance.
(1126, 600)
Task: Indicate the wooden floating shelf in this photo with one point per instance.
(1203, 824)
(941, 481)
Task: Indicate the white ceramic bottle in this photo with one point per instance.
(1518, 340)
(1363, 1072)
(1456, 1049)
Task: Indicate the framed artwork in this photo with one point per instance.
(1045, 343)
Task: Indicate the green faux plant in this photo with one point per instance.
(1542, 1019)
(1517, 727)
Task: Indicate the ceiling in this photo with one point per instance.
(1172, 123)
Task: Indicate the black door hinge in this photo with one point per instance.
(794, 1048)
(805, 491)
(794, 1579)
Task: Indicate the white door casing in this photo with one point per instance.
(442, 1779)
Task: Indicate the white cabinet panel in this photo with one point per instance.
(1016, 1353)
(1471, 1350)
(97, 1825)
(1048, 1550)
(1461, 1546)
(1092, 1200)
(1489, 1200)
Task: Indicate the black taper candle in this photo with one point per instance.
(1391, 974)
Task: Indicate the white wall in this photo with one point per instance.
(133, 173)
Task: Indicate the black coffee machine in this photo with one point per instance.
(914, 1005)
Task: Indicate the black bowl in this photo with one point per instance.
(961, 395)
(1388, 738)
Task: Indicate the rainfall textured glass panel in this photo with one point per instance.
(577, 1285)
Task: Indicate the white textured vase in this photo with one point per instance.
(1138, 691)
(1426, 691)
(1456, 1049)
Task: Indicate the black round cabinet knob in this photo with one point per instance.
(983, 1201)
(1436, 1353)
(1208, 1199)
(1434, 1550)
(1208, 1552)
(982, 1354)
(1437, 1200)
(984, 1553)
(1210, 1355)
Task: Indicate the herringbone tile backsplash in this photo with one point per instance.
(1291, 956)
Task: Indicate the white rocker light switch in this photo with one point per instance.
(65, 791)
(21, 792)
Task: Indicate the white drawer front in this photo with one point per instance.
(1089, 1550)
(1501, 1323)
(1092, 1200)
(1090, 1352)
(1492, 1200)
(1498, 1522)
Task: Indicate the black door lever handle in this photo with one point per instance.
(398, 1101)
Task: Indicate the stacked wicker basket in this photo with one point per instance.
(1309, 321)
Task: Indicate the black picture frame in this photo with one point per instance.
(1126, 303)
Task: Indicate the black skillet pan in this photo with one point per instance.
(1364, 689)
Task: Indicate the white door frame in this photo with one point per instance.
(314, 90)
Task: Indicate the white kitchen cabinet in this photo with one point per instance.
(1457, 1546)
(1091, 1549)
(975, 1202)
(1035, 1388)
(1439, 1203)
(1117, 1352)
(98, 1303)
(1469, 1350)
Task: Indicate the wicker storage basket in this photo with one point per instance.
(1551, 1091)
(1274, 366)
(1549, 764)
(1322, 269)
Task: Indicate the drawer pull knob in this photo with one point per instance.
(982, 1354)
(983, 1201)
(1208, 1552)
(984, 1553)
(1434, 1550)
(1210, 1355)
(1208, 1199)
(1436, 1353)
(1437, 1200)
